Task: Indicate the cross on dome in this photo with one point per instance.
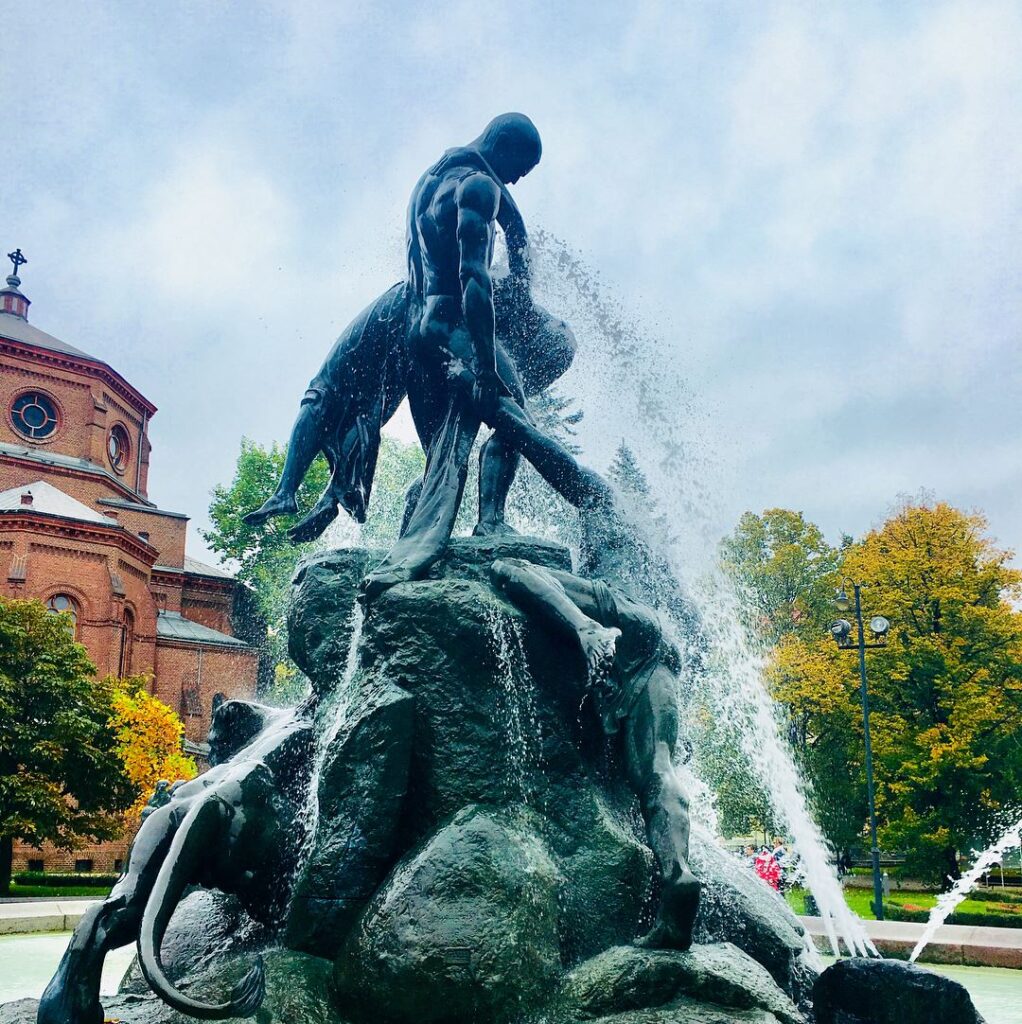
(11, 300)
(17, 259)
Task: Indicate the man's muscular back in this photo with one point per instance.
(438, 199)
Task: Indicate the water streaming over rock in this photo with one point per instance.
(331, 715)
(521, 730)
(947, 901)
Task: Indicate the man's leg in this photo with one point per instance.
(651, 733)
(540, 592)
(427, 532)
(582, 487)
(498, 461)
(306, 440)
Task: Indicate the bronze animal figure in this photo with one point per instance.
(233, 829)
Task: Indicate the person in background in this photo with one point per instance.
(767, 868)
(750, 857)
(844, 864)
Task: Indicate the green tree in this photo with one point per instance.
(264, 556)
(626, 472)
(945, 692)
(787, 572)
(787, 569)
(62, 778)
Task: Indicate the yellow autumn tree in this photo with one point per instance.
(149, 739)
(945, 693)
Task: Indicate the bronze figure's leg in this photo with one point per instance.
(306, 440)
(498, 461)
(498, 464)
(582, 487)
(541, 592)
(429, 528)
(651, 734)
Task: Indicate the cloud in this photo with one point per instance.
(811, 212)
(204, 230)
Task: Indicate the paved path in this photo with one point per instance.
(42, 916)
(973, 946)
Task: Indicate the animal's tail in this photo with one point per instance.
(191, 843)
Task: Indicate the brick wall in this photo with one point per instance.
(109, 578)
(166, 532)
(87, 404)
(188, 676)
(44, 562)
(102, 858)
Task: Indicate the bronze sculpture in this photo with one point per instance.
(435, 338)
(632, 672)
(232, 828)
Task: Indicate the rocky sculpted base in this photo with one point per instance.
(478, 855)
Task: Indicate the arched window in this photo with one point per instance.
(34, 415)
(118, 448)
(64, 603)
(127, 642)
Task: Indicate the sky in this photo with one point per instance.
(808, 213)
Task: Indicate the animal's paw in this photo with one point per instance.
(64, 1006)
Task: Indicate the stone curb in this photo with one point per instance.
(965, 945)
(44, 916)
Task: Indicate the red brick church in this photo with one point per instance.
(79, 532)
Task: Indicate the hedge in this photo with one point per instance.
(995, 895)
(894, 912)
(60, 881)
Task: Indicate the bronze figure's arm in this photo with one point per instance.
(478, 199)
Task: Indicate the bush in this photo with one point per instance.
(995, 895)
(54, 881)
(895, 912)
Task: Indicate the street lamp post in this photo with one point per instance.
(841, 631)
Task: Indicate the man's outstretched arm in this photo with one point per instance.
(509, 217)
(478, 199)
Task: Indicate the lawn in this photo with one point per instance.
(860, 899)
(91, 892)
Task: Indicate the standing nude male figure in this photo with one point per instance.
(381, 357)
(459, 377)
(633, 671)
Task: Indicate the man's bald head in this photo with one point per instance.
(511, 145)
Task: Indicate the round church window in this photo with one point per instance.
(34, 415)
(118, 447)
(64, 603)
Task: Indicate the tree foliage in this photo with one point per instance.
(148, 739)
(947, 696)
(62, 778)
(626, 472)
(786, 567)
(264, 556)
(945, 692)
